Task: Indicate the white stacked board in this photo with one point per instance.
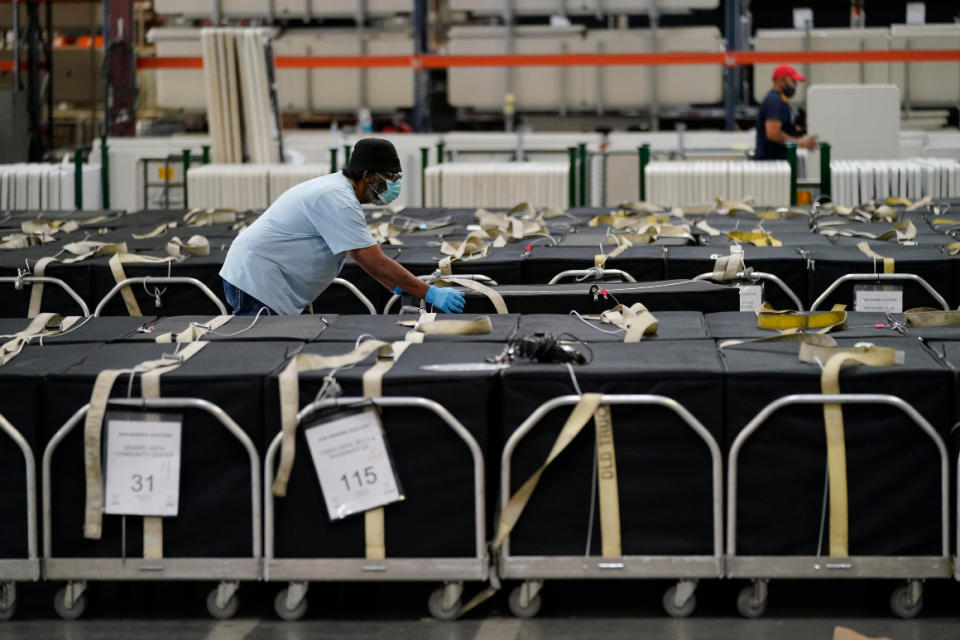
(685, 183)
(469, 184)
(855, 182)
(47, 187)
(281, 9)
(245, 186)
(550, 88)
(581, 7)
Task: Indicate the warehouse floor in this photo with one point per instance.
(607, 610)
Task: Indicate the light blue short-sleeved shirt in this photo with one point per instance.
(296, 248)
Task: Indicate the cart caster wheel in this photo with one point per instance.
(437, 610)
(228, 611)
(900, 603)
(280, 606)
(69, 613)
(748, 605)
(517, 609)
(670, 604)
(7, 612)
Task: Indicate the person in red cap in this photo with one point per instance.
(776, 122)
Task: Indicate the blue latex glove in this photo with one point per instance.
(397, 291)
(446, 299)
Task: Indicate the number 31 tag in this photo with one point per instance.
(143, 465)
(353, 464)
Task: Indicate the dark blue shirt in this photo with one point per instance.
(773, 107)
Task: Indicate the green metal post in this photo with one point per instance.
(439, 153)
(582, 152)
(424, 159)
(346, 154)
(333, 160)
(792, 159)
(825, 183)
(572, 151)
(78, 179)
(644, 153)
(104, 173)
(186, 168)
(206, 154)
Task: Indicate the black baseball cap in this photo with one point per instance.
(375, 155)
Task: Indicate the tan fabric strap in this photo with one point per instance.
(197, 245)
(491, 294)
(195, 331)
(119, 275)
(888, 263)
(927, 317)
(636, 320)
(607, 484)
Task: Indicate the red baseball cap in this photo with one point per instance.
(788, 71)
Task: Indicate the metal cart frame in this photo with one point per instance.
(222, 601)
(433, 277)
(907, 600)
(19, 281)
(594, 273)
(364, 300)
(145, 280)
(878, 277)
(13, 570)
(679, 600)
(445, 602)
(755, 276)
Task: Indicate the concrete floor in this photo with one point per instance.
(607, 610)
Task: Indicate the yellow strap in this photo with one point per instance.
(782, 320)
(600, 260)
(891, 201)
(817, 339)
(635, 319)
(158, 231)
(888, 263)
(607, 484)
(579, 417)
(757, 238)
(732, 206)
(196, 245)
(836, 445)
(703, 226)
(927, 317)
(495, 298)
(207, 217)
(194, 332)
(427, 324)
(93, 426)
(289, 385)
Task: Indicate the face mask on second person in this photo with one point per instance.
(789, 90)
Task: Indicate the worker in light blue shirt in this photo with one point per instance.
(292, 253)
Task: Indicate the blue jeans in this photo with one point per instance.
(243, 303)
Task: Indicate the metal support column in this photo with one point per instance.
(421, 79)
(119, 69)
(792, 159)
(582, 153)
(731, 93)
(825, 183)
(424, 159)
(439, 153)
(572, 151)
(644, 158)
(333, 160)
(34, 99)
(105, 174)
(78, 179)
(653, 75)
(186, 169)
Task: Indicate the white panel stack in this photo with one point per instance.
(583, 87)
(856, 182)
(580, 7)
(238, 100)
(46, 187)
(462, 184)
(685, 183)
(245, 186)
(285, 8)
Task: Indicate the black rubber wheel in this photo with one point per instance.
(280, 606)
(529, 611)
(225, 613)
(7, 612)
(71, 613)
(438, 611)
(670, 605)
(748, 606)
(900, 603)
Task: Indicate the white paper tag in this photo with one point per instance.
(884, 299)
(801, 16)
(143, 465)
(916, 12)
(353, 464)
(751, 297)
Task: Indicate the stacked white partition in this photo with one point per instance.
(245, 186)
(685, 183)
(469, 184)
(856, 182)
(47, 187)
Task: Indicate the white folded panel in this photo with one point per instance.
(871, 181)
(693, 182)
(926, 83)
(580, 7)
(470, 184)
(284, 8)
(246, 186)
(47, 187)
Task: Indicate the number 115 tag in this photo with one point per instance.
(353, 464)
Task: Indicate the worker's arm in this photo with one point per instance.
(387, 271)
(775, 133)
